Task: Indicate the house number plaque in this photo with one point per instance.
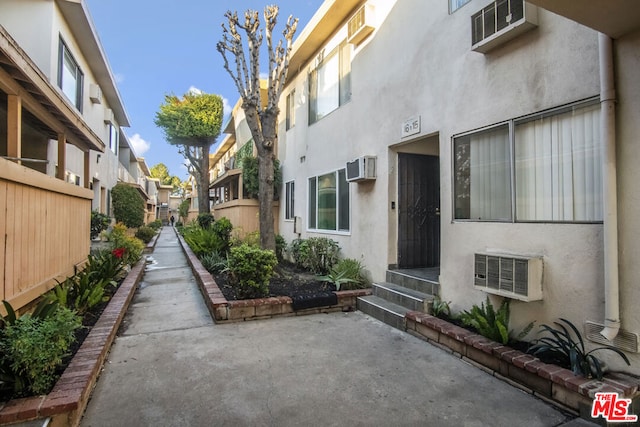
(411, 126)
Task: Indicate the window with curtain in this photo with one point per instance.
(554, 173)
(70, 77)
(291, 110)
(558, 167)
(330, 83)
(289, 200)
(113, 138)
(329, 202)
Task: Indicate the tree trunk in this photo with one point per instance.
(203, 181)
(266, 179)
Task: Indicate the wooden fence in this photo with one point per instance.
(45, 231)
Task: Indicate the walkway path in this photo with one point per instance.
(171, 366)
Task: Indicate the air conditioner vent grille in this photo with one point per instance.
(509, 275)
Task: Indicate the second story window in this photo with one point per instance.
(113, 138)
(456, 4)
(330, 83)
(70, 77)
(291, 109)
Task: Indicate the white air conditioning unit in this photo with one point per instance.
(510, 276)
(360, 25)
(501, 21)
(108, 115)
(95, 93)
(362, 168)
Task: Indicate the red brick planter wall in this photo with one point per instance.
(253, 309)
(549, 382)
(68, 399)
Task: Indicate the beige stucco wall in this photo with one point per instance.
(419, 62)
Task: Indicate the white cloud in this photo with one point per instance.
(140, 146)
(194, 90)
(226, 107)
(119, 77)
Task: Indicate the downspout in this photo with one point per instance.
(610, 198)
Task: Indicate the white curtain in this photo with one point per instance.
(558, 167)
(490, 178)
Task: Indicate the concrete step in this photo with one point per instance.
(421, 284)
(383, 310)
(406, 297)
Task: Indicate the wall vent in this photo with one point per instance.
(625, 340)
(501, 21)
(511, 276)
(360, 25)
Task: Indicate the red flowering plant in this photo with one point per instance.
(118, 252)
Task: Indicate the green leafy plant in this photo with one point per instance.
(106, 263)
(32, 348)
(132, 247)
(337, 278)
(214, 262)
(145, 233)
(354, 270)
(155, 224)
(203, 241)
(183, 209)
(317, 254)
(128, 205)
(223, 228)
(82, 291)
(491, 323)
(281, 246)
(440, 308)
(251, 268)
(250, 178)
(99, 223)
(565, 347)
(205, 220)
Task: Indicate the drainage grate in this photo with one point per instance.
(625, 340)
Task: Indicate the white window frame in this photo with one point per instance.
(114, 137)
(322, 103)
(549, 165)
(456, 4)
(289, 201)
(70, 76)
(313, 202)
(291, 110)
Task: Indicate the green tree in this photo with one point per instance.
(183, 210)
(261, 118)
(128, 205)
(161, 172)
(193, 123)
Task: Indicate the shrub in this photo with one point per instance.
(317, 254)
(214, 262)
(33, 349)
(183, 209)
(562, 349)
(128, 248)
(222, 228)
(99, 223)
(251, 180)
(205, 220)
(128, 206)
(203, 241)
(441, 308)
(251, 268)
(351, 269)
(281, 247)
(156, 224)
(145, 233)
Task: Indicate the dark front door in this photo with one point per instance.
(418, 211)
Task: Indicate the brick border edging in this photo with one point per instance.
(550, 382)
(68, 399)
(224, 311)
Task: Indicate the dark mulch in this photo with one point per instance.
(288, 281)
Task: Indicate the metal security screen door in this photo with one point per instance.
(418, 211)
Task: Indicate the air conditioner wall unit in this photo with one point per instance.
(108, 115)
(511, 276)
(95, 93)
(361, 169)
(360, 25)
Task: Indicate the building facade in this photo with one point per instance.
(467, 135)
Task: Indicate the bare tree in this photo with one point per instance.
(262, 121)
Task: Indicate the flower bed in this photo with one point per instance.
(69, 397)
(223, 310)
(548, 382)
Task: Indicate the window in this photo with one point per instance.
(70, 77)
(291, 109)
(113, 138)
(289, 212)
(456, 4)
(554, 173)
(330, 83)
(329, 202)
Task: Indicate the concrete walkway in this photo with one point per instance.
(171, 366)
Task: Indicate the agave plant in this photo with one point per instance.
(565, 347)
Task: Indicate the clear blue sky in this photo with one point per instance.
(157, 47)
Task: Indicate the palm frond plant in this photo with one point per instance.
(491, 323)
(565, 347)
